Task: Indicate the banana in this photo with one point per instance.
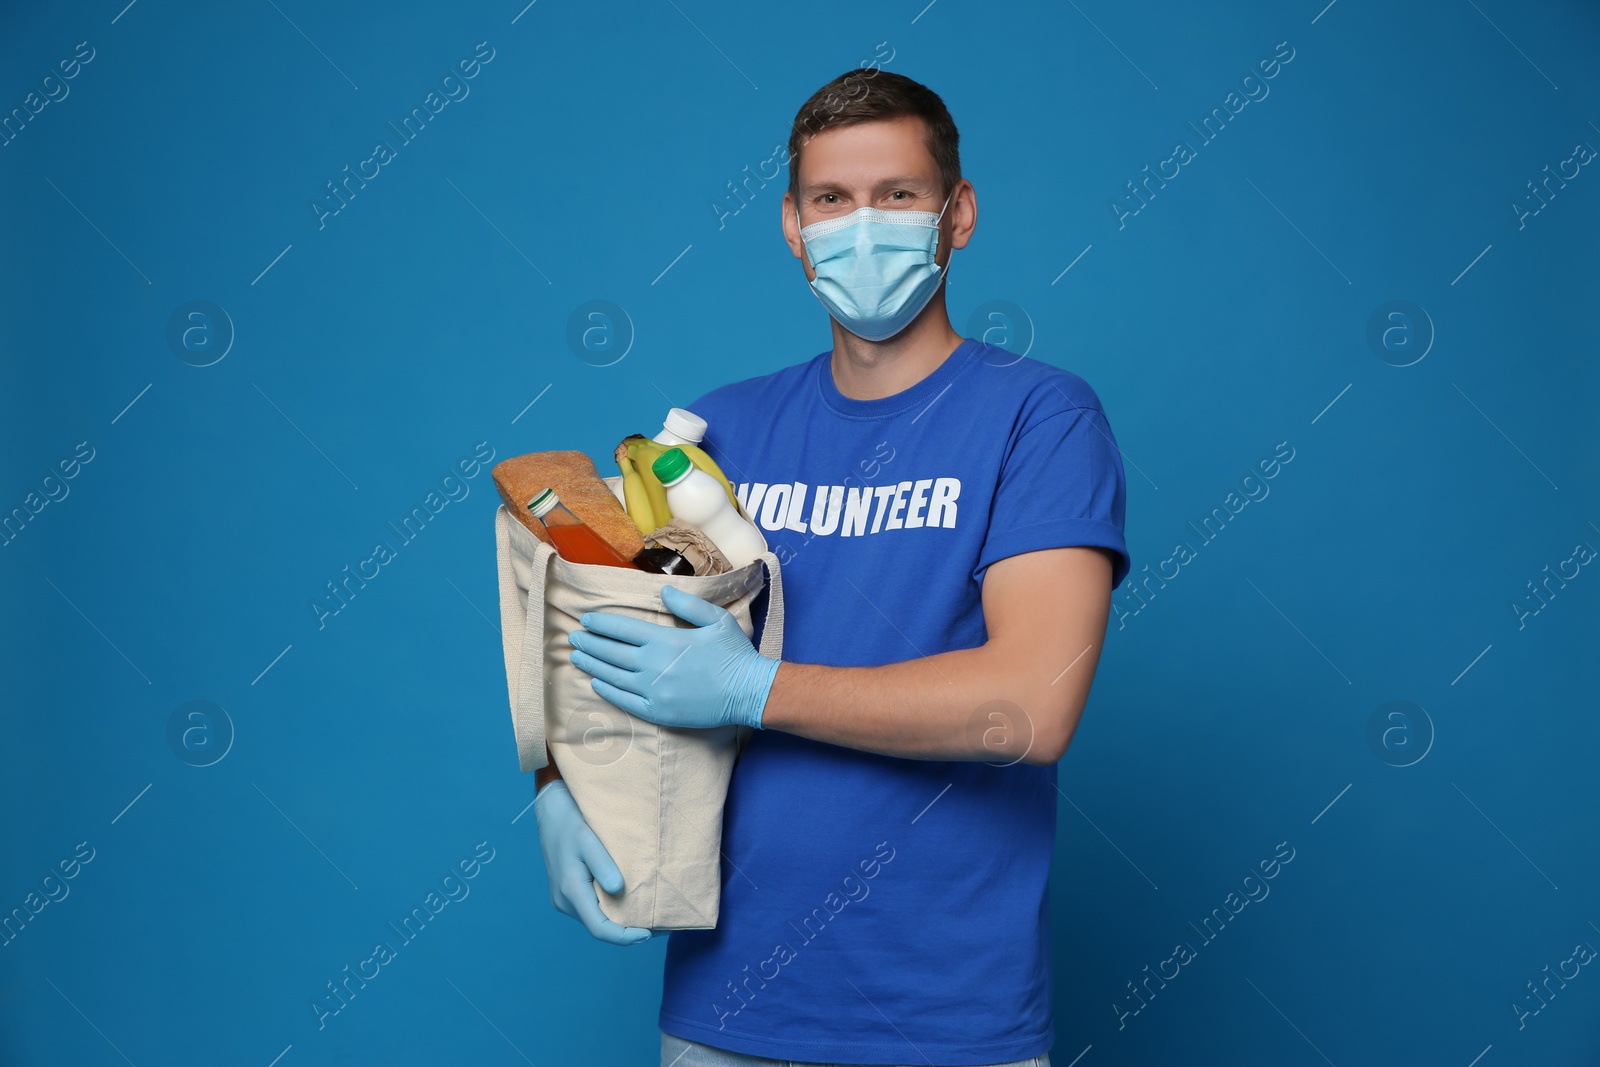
(643, 452)
(633, 491)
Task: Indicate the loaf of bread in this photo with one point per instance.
(573, 476)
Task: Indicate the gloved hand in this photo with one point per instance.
(574, 858)
(707, 675)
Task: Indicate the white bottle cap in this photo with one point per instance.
(686, 424)
(543, 502)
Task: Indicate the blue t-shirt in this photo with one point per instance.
(877, 909)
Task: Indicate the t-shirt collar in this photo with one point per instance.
(918, 395)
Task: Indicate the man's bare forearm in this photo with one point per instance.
(968, 704)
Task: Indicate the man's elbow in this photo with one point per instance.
(1051, 738)
(1053, 731)
(1044, 755)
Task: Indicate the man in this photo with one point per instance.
(948, 519)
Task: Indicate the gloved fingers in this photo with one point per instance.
(630, 702)
(573, 886)
(622, 627)
(691, 608)
(562, 840)
(598, 862)
(599, 668)
(602, 928)
(599, 866)
(617, 653)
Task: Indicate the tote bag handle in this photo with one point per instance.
(522, 639)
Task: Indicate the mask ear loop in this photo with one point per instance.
(944, 271)
(805, 251)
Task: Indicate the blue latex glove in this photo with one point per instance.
(574, 858)
(701, 676)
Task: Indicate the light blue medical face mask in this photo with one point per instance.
(875, 269)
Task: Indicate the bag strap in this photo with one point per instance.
(772, 629)
(522, 640)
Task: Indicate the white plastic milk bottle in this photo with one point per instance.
(696, 497)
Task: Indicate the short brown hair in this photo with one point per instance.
(874, 95)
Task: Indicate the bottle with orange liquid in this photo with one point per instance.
(574, 541)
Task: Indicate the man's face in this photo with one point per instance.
(870, 164)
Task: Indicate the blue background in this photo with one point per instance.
(1441, 859)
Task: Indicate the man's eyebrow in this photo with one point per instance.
(812, 188)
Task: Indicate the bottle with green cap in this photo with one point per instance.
(697, 498)
(574, 541)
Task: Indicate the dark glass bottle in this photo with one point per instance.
(659, 560)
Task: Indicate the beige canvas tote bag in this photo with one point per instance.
(652, 794)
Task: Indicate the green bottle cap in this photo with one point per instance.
(671, 465)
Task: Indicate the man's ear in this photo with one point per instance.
(964, 219)
(791, 235)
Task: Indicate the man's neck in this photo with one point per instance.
(870, 370)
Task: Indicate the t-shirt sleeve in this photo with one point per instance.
(1062, 485)
(707, 408)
